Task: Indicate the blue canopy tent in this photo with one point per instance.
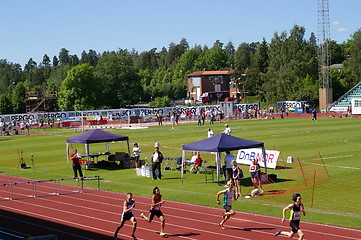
(95, 136)
(221, 143)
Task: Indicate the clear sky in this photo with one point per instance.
(30, 29)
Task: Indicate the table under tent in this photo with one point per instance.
(221, 143)
(97, 136)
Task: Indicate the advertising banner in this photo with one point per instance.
(245, 157)
(119, 113)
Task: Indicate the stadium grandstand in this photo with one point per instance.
(344, 102)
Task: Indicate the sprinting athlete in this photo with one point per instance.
(295, 216)
(155, 210)
(127, 214)
(228, 194)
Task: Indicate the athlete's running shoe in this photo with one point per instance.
(221, 226)
(278, 233)
(133, 236)
(162, 234)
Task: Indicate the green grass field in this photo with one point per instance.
(333, 199)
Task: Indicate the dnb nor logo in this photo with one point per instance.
(245, 157)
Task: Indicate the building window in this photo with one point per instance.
(196, 81)
(217, 87)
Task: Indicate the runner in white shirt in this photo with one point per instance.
(228, 194)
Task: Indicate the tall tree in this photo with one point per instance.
(5, 104)
(291, 59)
(30, 65)
(79, 90)
(147, 60)
(337, 54)
(212, 59)
(261, 57)
(355, 55)
(186, 62)
(91, 57)
(242, 56)
(230, 50)
(64, 57)
(10, 74)
(55, 61)
(74, 60)
(57, 75)
(46, 61)
(18, 98)
(120, 81)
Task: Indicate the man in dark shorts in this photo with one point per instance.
(295, 215)
(155, 210)
(127, 215)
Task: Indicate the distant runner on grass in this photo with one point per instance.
(228, 194)
(296, 209)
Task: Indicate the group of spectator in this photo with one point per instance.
(156, 158)
(234, 173)
(14, 128)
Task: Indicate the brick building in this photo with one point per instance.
(211, 86)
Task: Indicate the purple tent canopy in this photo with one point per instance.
(221, 143)
(96, 136)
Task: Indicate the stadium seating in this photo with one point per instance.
(345, 100)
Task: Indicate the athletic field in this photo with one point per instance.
(326, 168)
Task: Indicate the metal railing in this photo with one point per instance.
(41, 188)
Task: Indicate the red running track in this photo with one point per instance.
(94, 214)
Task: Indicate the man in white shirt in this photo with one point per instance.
(193, 159)
(228, 162)
(210, 133)
(227, 130)
(157, 158)
(136, 154)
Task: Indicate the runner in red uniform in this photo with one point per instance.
(155, 210)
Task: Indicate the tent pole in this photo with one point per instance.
(182, 168)
(264, 158)
(128, 148)
(87, 155)
(120, 120)
(67, 153)
(218, 159)
(82, 121)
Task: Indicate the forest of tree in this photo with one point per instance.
(286, 68)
